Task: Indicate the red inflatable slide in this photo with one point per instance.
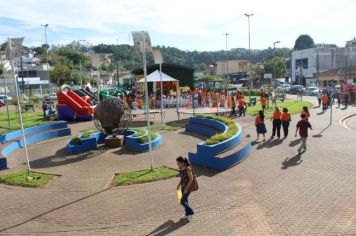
(75, 102)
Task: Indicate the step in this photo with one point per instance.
(234, 150)
(201, 129)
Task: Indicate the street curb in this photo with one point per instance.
(343, 120)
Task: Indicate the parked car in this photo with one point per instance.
(296, 89)
(51, 96)
(5, 98)
(311, 91)
(284, 88)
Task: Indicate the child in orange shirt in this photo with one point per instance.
(305, 111)
(286, 119)
(241, 106)
(263, 103)
(276, 123)
(260, 125)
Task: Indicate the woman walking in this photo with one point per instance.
(276, 123)
(186, 180)
(305, 111)
(285, 121)
(260, 125)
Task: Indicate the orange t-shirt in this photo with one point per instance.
(263, 101)
(258, 120)
(285, 116)
(233, 103)
(139, 103)
(307, 114)
(277, 115)
(324, 99)
(241, 103)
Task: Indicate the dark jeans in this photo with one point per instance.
(184, 202)
(346, 101)
(233, 112)
(285, 125)
(325, 107)
(276, 127)
(242, 111)
(319, 101)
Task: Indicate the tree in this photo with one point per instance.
(304, 41)
(60, 75)
(279, 64)
(39, 50)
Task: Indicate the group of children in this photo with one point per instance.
(282, 119)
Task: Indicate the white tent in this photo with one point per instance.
(156, 77)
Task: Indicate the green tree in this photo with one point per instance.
(39, 50)
(1, 70)
(60, 75)
(80, 78)
(280, 66)
(304, 41)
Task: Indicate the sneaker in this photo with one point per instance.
(189, 217)
(184, 217)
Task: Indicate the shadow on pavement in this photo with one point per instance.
(168, 227)
(290, 162)
(126, 151)
(319, 135)
(320, 113)
(200, 170)
(61, 157)
(295, 142)
(270, 143)
(178, 123)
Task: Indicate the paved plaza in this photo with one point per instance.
(272, 192)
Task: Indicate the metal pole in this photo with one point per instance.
(19, 107)
(81, 73)
(160, 75)
(177, 99)
(147, 102)
(227, 57)
(7, 105)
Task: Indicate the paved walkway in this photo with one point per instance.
(273, 192)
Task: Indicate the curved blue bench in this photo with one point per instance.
(221, 155)
(33, 135)
(86, 144)
(131, 142)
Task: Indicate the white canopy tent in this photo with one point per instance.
(158, 76)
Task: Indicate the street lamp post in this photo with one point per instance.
(249, 47)
(45, 26)
(227, 57)
(274, 71)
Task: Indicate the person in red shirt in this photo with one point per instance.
(233, 107)
(241, 106)
(324, 101)
(263, 103)
(260, 125)
(276, 123)
(286, 119)
(303, 125)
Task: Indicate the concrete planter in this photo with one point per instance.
(131, 142)
(86, 144)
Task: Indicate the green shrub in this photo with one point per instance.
(217, 138)
(139, 131)
(75, 141)
(88, 133)
(144, 139)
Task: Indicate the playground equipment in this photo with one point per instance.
(72, 107)
(111, 93)
(87, 93)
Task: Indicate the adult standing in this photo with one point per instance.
(186, 180)
(260, 125)
(303, 125)
(241, 106)
(276, 123)
(286, 119)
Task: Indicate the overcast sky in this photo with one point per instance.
(185, 24)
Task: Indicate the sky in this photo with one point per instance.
(186, 24)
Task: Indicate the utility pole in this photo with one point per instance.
(227, 57)
(47, 66)
(249, 48)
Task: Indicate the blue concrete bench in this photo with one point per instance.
(131, 142)
(13, 140)
(86, 144)
(220, 155)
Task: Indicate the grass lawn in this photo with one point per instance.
(29, 119)
(20, 179)
(294, 107)
(144, 176)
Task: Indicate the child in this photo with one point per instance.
(285, 121)
(263, 103)
(186, 179)
(241, 106)
(260, 125)
(276, 123)
(306, 112)
(303, 126)
(324, 101)
(233, 107)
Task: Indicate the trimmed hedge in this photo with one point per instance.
(76, 140)
(144, 139)
(217, 138)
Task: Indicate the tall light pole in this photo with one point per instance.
(249, 47)
(274, 72)
(227, 63)
(45, 26)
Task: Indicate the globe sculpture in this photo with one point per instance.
(112, 116)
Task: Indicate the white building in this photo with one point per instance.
(307, 64)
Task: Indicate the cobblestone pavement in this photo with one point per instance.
(273, 192)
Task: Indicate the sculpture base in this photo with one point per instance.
(114, 142)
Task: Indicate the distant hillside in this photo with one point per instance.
(130, 58)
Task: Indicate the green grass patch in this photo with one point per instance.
(294, 107)
(159, 127)
(21, 179)
(139, 131)
(29, 119)
(144, 176)
(144, 139)
(217, 138)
